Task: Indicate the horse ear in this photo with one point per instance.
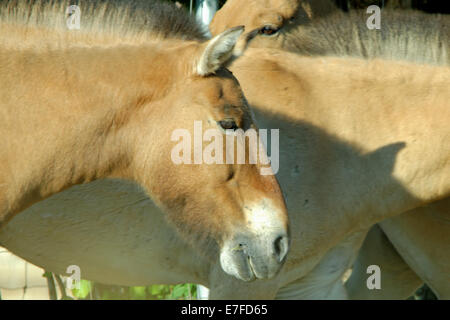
(243, 42)
(218, 50)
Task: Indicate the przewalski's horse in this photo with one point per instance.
(346, 33)
(75, 110)
(343, 34)
(341, 166)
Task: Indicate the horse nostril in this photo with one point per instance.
(281, 247)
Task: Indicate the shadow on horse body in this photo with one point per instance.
(74, 110)
(335, 192)
(319, 29)
(340, 171)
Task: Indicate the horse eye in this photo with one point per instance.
(228, 124)
(269, 30)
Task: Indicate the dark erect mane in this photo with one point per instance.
(118, 17)
(404, 35)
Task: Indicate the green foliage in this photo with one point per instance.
(138, 293)
(84, 290)
(90, 290)
(183, 292)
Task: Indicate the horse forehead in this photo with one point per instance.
(270, 12)
(253, 13)
(284, 8)
(222, 90)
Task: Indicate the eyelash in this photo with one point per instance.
(268, 31)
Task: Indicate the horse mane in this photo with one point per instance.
(101, 22)
(404, 35)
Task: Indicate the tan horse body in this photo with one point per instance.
(427, 40)
(139, 265)
(72, 113)
(348, 159)
(436, 276)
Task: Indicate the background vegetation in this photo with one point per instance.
(89, 290)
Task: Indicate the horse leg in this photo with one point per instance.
(422, 238)
(398, 281)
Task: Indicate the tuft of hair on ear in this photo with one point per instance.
(218, 51)
(242, 43)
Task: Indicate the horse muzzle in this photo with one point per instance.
(249, 256)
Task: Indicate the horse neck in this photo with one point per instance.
(373, 135)
(69, 115)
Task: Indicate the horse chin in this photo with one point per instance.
(237, 263)
(247, 264)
